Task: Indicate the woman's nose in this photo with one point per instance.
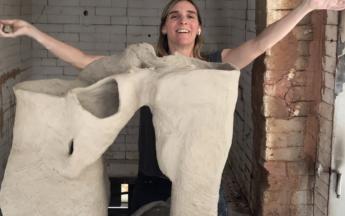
(183, 20)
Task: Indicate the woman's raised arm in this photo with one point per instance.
(244, 54)
(62, 50)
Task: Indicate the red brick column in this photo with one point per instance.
(286, 114)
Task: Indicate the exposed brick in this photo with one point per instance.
(306, 182)
(328, 95)
(326, 126)
(276, 15)
(325, 141)
(326, 111)
(320, 202)
(319, 212)
(275, 107)
(285, 154)
(100, 3)
(303, 48)
(276, 168)
(302, 198)
(132, 155)
(95, 20)
(48, 62)
(110, 11)
(284, 49)
(279, 125)
(329, 80)
(132, 147)
(329, 64)
(331, 48)
(121, 168)
(332, 17)
(299, 93)
(303, 33)
(299, 168)
(277, 210)
(324, 158)
(64, 2)
(322, 188)
(276, 197)
(301, 210)
(324, 177)
(115, 155)
(331, 32)
(301, 63)
(78, 28)
(119, 3)
(117, 147)
(284, 139)
(61, 19)
(281, 4)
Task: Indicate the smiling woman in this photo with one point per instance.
(180, 29)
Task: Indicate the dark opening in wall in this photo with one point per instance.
(120, 195)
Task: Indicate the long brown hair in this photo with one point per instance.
(162, 48)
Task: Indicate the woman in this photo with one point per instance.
(180, 31)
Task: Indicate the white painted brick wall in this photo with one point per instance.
(111, 25)
(15, 58)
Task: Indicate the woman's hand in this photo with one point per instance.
(336, 5)
(18, 28)
(244, 54)
(65, 52)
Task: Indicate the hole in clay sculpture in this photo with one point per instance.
(71, 147)
(86, 12)
(102, 100)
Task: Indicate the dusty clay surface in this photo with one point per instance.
(62, 128)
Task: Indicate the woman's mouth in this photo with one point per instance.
(182, 31)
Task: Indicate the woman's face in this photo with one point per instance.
(182, 25)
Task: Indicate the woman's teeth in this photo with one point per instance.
(182, 31)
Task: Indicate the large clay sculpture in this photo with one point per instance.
(62, 128)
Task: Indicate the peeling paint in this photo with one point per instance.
(292, 74)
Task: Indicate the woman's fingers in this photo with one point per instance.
(337, 5)
(6, 28)
(340, 5)
(8, 22)
(12, 28)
